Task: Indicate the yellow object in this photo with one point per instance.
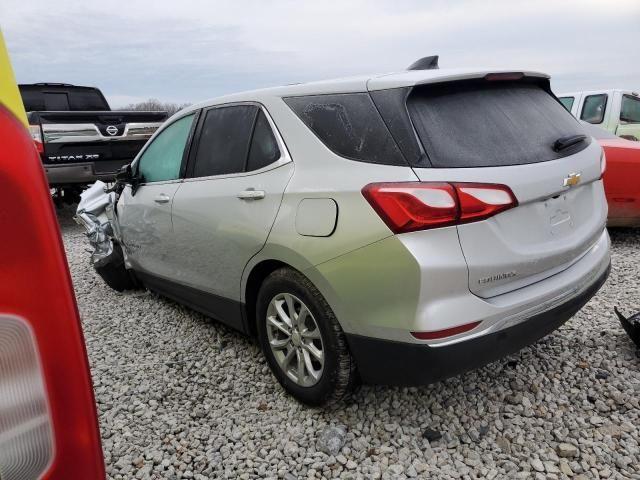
(9, 93)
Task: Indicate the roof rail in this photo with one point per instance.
(425, 63)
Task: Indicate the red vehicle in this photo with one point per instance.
(621, 178)
(48, 423)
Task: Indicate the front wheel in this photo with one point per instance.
(302, 339)
(114, 273)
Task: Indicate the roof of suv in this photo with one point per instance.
(361, 83)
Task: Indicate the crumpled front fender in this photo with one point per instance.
(96, 213)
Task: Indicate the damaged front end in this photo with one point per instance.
(96, 213)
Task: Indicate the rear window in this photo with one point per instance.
(482, 124)
(60, 98)
(349, 125)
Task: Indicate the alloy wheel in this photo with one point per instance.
(295, 339)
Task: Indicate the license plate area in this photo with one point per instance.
(559, 214)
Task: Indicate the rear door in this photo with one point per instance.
(224, 210)
(504, 133)
(144, 212)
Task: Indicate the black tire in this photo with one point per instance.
(115, 274)
(338, 376)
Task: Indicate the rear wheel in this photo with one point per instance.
(302, 340)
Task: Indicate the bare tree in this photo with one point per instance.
(155, 105)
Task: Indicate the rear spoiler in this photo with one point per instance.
(415, 77)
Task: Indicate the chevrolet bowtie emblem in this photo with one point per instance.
(572, 180)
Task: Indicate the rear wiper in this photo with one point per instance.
(565, 142)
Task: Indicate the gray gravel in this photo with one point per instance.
(180, 396)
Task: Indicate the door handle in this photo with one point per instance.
(162, 198)
(251, 194)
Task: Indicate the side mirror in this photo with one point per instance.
(125, 174)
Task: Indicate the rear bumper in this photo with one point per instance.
(80, 173)
(399, 363)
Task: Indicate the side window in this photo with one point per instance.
(349, 125)
(593, 108)
(630, 111)
(264, 147)
(162, 159)
(567, 102)
(224, 140)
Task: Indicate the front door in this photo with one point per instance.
(145, 215)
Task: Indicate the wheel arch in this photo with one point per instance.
(271, 259)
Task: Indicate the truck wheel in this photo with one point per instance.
(302, 340)
(115, 274)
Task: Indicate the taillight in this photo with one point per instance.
(480, 200)
(48, 423)
(36, 136)
(410, 206)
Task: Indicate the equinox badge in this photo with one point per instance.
(572, 180)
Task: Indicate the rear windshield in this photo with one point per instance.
(60, 98)
(483, 124)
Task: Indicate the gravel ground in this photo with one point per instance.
(180, 396)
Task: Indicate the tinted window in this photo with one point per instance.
(162, 159)
(567, 102)
(483, 124)
(224, 140)
(86, 99)
(630, 111)
(48, 97)
(593, 108)
(56, 101)
(349, 125)
(264, 148)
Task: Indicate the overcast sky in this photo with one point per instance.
(185, 51)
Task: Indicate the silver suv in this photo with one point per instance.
(393, 229)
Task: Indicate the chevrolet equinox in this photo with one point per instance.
(394, 229)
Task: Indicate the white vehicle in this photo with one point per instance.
(615, 110)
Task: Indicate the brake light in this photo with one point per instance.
(506, 76)
(36, 136)
(410, 206)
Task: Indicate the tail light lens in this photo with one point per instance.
(36, 136)
(410, 206)
(48, 424)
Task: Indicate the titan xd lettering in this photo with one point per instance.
(70, 158)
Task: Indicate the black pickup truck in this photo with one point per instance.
(79, 137)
